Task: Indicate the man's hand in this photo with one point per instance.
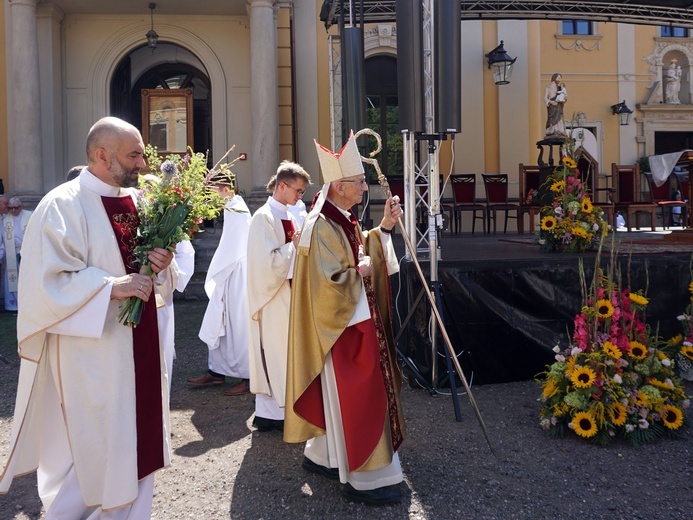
(392, 212)
(159, 259)
(138, 285)
(295, 237)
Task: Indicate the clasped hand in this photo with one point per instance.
(140, 285)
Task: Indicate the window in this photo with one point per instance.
(672, 31)
(576, 27)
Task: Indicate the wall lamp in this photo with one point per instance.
(501, 63)
(623, 112)
(152, 37)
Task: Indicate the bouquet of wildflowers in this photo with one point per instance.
(680, 347)
(571, 222)
(171, 205)
(616, 378)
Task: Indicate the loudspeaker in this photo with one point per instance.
(447, 56)
(410, 65)
(353, 80)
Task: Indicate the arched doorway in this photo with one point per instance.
(168, 67)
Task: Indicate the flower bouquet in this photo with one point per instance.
(171, 205)
(571, 222)
(615, 379)
(680, 347)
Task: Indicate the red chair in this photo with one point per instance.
(628, 199)
(664, 198)
(496, 187)
(530, 182)
(464, 199)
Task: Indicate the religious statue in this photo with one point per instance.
(673, 83)
(555, 97)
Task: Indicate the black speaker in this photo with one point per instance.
(353, 80)
(447, 55)
(410, 65)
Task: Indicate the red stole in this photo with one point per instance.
(289, 230)
(361, 363)
(145, 342)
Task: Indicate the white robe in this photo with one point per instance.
(270, 265)
(225, 324)
(73, 349)
(11, 236)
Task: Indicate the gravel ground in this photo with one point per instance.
(222, 468)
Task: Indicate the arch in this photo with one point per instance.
(129, 38)
(380, 39)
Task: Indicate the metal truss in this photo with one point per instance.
(335, 57)
(652, 12)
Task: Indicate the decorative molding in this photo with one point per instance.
(662, 47)
(379, 39)
(578, 43)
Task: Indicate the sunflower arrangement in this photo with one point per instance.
(172, 203)
(571, 222)
(680, 347)
(616, 379)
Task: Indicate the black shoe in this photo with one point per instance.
(373, 497)
(266, 425)
(309, 465)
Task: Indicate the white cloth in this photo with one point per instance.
(11, 237)
(661, 166)
(270, 266)
(225, 323)
(179, 275)
(74, 257)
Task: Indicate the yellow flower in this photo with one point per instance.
(570, 163)
(672, 417)
(687, 351)
(661, 355)
(661, 384)
(548, 223)
(587, 206)
(612, 350)
(637, 350)
(570, 365)
(675, 340)
(583, 377)
(641, 399)
(604, 309)
(557, 187)
(584, 425)
(638, 299)
(690, 288)
(617, 414)
(550, 388)
(579, 232)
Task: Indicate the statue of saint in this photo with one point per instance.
(555, 97)
(673, 83)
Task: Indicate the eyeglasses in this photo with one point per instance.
(359, 182)
(298, 192)
(13, 207)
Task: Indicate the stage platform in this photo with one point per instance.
(506, 304)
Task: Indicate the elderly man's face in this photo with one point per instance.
(127, 161)
(354, 188)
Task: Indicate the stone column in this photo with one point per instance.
(264, 97)
(26, 164)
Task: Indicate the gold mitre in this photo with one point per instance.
(346, 163)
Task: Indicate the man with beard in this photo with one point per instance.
(91, 414)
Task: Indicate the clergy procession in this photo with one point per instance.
(299, 314)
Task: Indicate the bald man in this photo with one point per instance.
(91, 411)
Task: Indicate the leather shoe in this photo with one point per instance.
(373, 497)
(309, 465)
(241, 388)
(265, 425)
(206, 379)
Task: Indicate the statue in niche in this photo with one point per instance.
(673, 83)
(555, 97)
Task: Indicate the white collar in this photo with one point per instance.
(93, 183)
(274, 203)
(344, 212)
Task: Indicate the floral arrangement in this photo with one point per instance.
(616, 379)
(172, 203)
(680, 347)
(571, 222)
(532, 195)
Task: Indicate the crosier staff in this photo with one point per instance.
(386, 188)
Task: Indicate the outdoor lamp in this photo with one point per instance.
(501, 63)
(152, 37)
(623, 112)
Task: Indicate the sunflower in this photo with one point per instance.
(690, 287)
(637, 350)
(587, 206)
(548, 223)
(583, 377)
(672, 417)
(579, 232)
(557, 187)
(617, 414)
(584, 424)
(550, 388)
(687, 351)
(638, 299)
(660, 384)
(604, 309)
(675, 340)
(570, 163)
(641, 399)
(570, 365)
(612, 350)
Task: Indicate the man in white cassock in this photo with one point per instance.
(225, 323)
(272, 242)
(13, 225)
(91, 414)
